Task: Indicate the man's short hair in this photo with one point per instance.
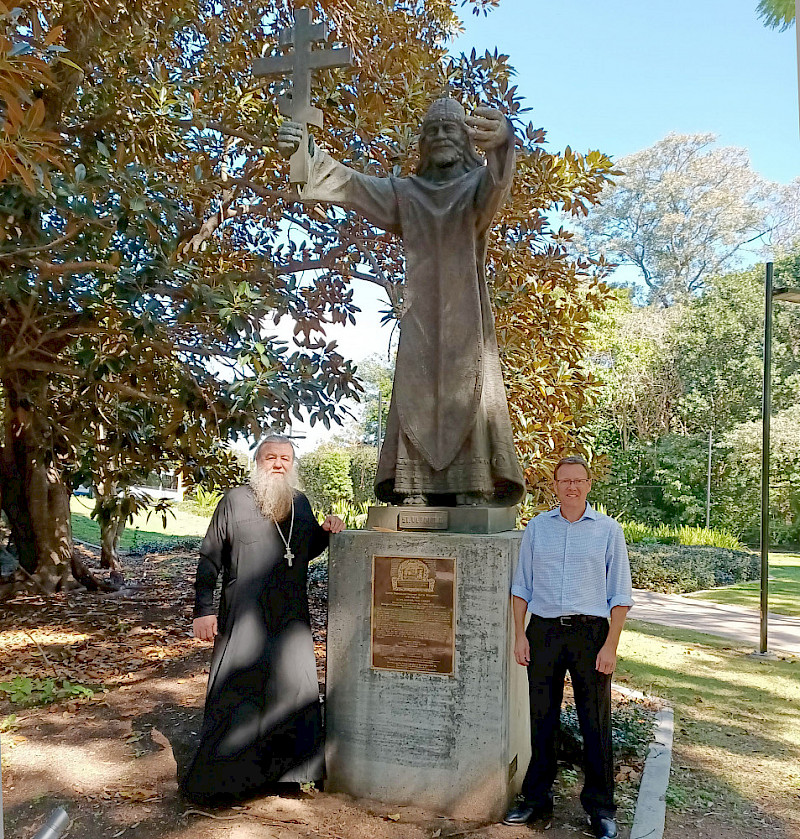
(282, 439)
(577, 460)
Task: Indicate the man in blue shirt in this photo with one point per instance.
(574, 579)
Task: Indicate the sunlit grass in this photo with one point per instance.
(784, 588)
(737, 735)
(144, 529)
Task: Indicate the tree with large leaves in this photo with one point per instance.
(148, 239)
(112, 304)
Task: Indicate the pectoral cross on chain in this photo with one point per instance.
(296, 105)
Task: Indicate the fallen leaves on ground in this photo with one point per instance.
(101, 640)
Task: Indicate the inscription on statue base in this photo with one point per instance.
(413, 614)
(423, 520)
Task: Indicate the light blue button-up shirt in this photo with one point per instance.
(573, 568)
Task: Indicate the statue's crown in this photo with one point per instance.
(445, 108)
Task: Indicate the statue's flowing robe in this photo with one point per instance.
(448, 430)
(262, 722)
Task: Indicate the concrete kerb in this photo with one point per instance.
(651, 805)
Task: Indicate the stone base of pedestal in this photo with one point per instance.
(456, 744)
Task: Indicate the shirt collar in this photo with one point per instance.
(589, 513)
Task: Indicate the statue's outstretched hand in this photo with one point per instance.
(290, 135)
(488, 128)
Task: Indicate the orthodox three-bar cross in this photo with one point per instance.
(296, 104)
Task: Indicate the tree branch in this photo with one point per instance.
(74, 372)
(60, 241)
(222, 129)
(258, 189)
(385, 284)
(74, 267)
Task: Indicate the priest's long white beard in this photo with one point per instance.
(273, 493)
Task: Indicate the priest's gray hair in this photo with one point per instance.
(282, 439)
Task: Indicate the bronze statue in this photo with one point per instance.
(448, 435)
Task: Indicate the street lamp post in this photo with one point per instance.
(791, 295)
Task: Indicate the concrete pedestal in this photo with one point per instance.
(455, 745)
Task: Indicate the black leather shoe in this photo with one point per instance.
(524, 813)
(603, 827)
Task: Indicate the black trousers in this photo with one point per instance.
(556, 648)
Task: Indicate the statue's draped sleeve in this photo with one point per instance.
(331, 182)
(495, 185)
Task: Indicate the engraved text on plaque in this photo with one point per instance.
(413, 614)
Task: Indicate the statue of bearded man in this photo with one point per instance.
(448, 435)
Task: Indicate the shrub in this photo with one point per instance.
(631, 732)
(318, 569)
(354, 516)
(22, 690)
(667, 535)
(203, 501)
(325, 473)
(363, 466)
(681, 568)
(182, 543)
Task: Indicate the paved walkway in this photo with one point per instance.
(740, 624)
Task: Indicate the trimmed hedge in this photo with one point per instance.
(681, 568)
(669, 568)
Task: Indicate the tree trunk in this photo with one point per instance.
(111, 528)
(35, 499)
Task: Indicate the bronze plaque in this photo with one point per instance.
(413, 614)
(423, 520)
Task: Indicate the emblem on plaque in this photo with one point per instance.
(412, 575)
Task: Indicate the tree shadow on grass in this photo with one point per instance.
(749, 710)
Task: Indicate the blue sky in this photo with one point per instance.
(618, 75)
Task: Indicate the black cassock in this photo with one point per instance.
(262, 723)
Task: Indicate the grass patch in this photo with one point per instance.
(25, 691)
(784, 588)
(737, 741)
(144, 530)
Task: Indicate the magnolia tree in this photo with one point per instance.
(149, 249)
(685, 210)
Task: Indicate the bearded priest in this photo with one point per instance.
(262, 724)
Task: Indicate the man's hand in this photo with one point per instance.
(522, 651)
(606, 659)
(290, 135)
(488, 128)
(333, 524)
(205, 628)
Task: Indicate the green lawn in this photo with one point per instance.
(737, 738)
(179, 526)
(784, 588)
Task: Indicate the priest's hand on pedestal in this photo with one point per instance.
(205, 628)
(333, 524)
(488, 128)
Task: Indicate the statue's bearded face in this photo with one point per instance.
(443, 143)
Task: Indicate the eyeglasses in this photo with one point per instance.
(577, 482)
